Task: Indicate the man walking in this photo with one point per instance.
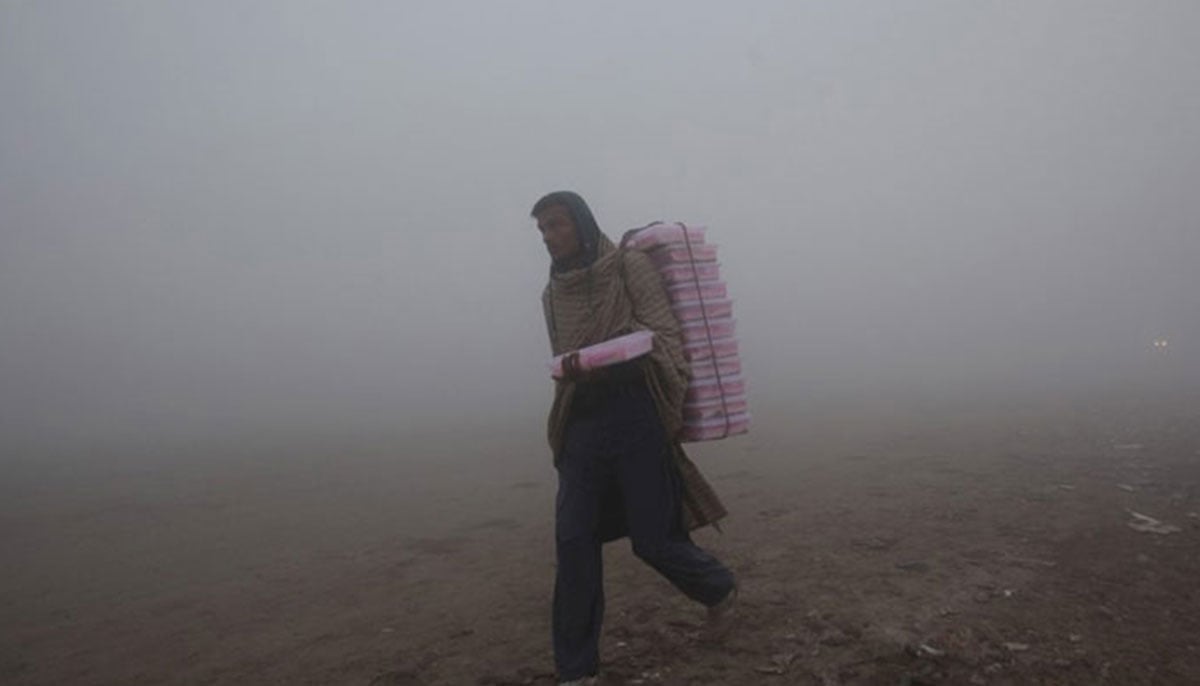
(621, 470)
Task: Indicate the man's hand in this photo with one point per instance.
(570, 366)
(572, 371)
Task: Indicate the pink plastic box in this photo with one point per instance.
(678, 253)
(708, 389)
(715, 309)
(688, 292)
(728, 366)
(612, 351)
(662, 234)
(700, 350)
(721, 327)
(713, 409)
(710, 429)
(690, 272)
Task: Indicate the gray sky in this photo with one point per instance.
(291, 216)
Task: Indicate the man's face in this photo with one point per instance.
(558, 232)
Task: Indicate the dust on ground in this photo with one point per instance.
(1018, 541)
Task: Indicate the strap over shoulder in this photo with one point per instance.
(630, 233)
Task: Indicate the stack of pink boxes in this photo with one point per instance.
(715, 405)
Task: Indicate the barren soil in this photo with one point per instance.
(979, 542)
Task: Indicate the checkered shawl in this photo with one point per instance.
(619, 293)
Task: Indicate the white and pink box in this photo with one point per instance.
(610, 352)
(713, 429)
(703, 351)
(700, 310)
(688, 292)
(690, 273)
(678, 253)
(707, 390)
(715, 417)
(664, 234)
(715, 405)
(725, 366)
(723, 327)
(715, 408)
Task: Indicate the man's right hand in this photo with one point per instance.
(572, 371)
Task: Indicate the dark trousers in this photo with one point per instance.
(616, 461)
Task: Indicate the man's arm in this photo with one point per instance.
(548, 315)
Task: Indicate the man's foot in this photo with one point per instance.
(584, 681)
(720, 613)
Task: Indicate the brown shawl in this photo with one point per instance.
(619, 293)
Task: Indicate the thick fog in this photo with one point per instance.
(227, 218)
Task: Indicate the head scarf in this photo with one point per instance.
(587, 231)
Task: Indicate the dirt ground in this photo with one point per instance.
(988, 541)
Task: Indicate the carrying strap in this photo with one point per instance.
(712, 348)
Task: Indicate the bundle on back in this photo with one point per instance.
(715, 404)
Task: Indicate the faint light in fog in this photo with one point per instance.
(1160, 343)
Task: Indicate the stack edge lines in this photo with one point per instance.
(715, 405)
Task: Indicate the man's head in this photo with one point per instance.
(557, 227)
(568, 228)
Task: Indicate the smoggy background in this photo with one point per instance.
(292, 220)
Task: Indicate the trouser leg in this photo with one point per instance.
(578, 585)
(652, 491)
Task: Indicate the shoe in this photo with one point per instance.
(721, 612)
(585, 681)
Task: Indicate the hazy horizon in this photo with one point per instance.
(219, 219)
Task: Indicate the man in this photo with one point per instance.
(613, 433)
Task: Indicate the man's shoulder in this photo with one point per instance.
(638, 267)
(637, 258)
